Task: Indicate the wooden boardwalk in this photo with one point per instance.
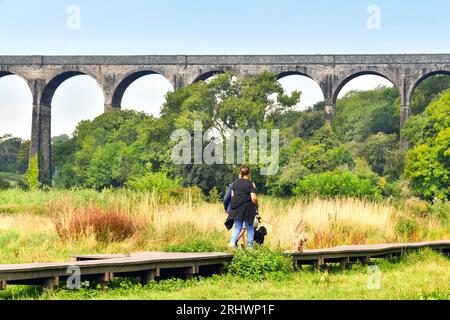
(148, 266)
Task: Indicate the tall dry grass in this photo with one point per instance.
(36, 227)
(341, 221)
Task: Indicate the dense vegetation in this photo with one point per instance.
(359, 156)
(116, 190)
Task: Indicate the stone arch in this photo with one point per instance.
(8, 73)
(420, 79)
(206, 75)
(306, 76)
(126, 81)
(24, 110)
(51, 87)
(355, 75)
(295, 73)
(42, 121)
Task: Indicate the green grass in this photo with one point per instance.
(27, 234)
(423, 275)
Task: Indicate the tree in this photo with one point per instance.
(361, 114)
(428, 163)
(224, 105)
(23, 157)
(9, 149)
(321, 153)
(382, 151)
(111, 149)
(427, 91)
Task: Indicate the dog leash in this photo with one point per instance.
(261, 221)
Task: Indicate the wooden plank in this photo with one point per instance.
(2, 284)
(90, 257)
(189, 264)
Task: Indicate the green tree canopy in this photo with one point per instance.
(361, 114)
(109, 150)
(428, 163)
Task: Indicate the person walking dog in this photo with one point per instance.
(244, 208)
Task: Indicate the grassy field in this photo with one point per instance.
(423, 275)
(50, 226)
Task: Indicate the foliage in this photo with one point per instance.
(225, 104)
(361, 114)
(322, 152)
(303, 124)
(153, 181)
(196, 245)
(13, 154)
(338, 183)
(428, 163)
(382, 152)
(428, 90)
(31, 178)
(111, 149)
(259, 263)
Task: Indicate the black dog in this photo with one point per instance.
(260, 235)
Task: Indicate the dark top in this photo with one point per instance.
(227, 199)
(242, 207)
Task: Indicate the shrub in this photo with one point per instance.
(417, 207)
(338, 183)
(31, 178)
(428, 162)
(214, 195)
(105, 225)
(259, 263)
(182, 195)
(441, 210)
(406, 227)
(198, 245)
(153, 182)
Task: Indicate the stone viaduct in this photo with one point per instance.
(115, 73)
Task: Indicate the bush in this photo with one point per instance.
(106, 226)
(406, 228)
(182, 195)
(31, 178)
(153, 182)
(441, 210)
(259, 263)
(417, 207)
(338, 183)
(198, 245)
(428, 163)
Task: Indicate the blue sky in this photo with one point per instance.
(202, 27)
(223, 27)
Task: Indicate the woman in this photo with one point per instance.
(244, 208)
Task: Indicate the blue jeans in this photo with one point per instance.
(237, 231)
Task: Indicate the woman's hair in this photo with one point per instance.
(244, 171)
